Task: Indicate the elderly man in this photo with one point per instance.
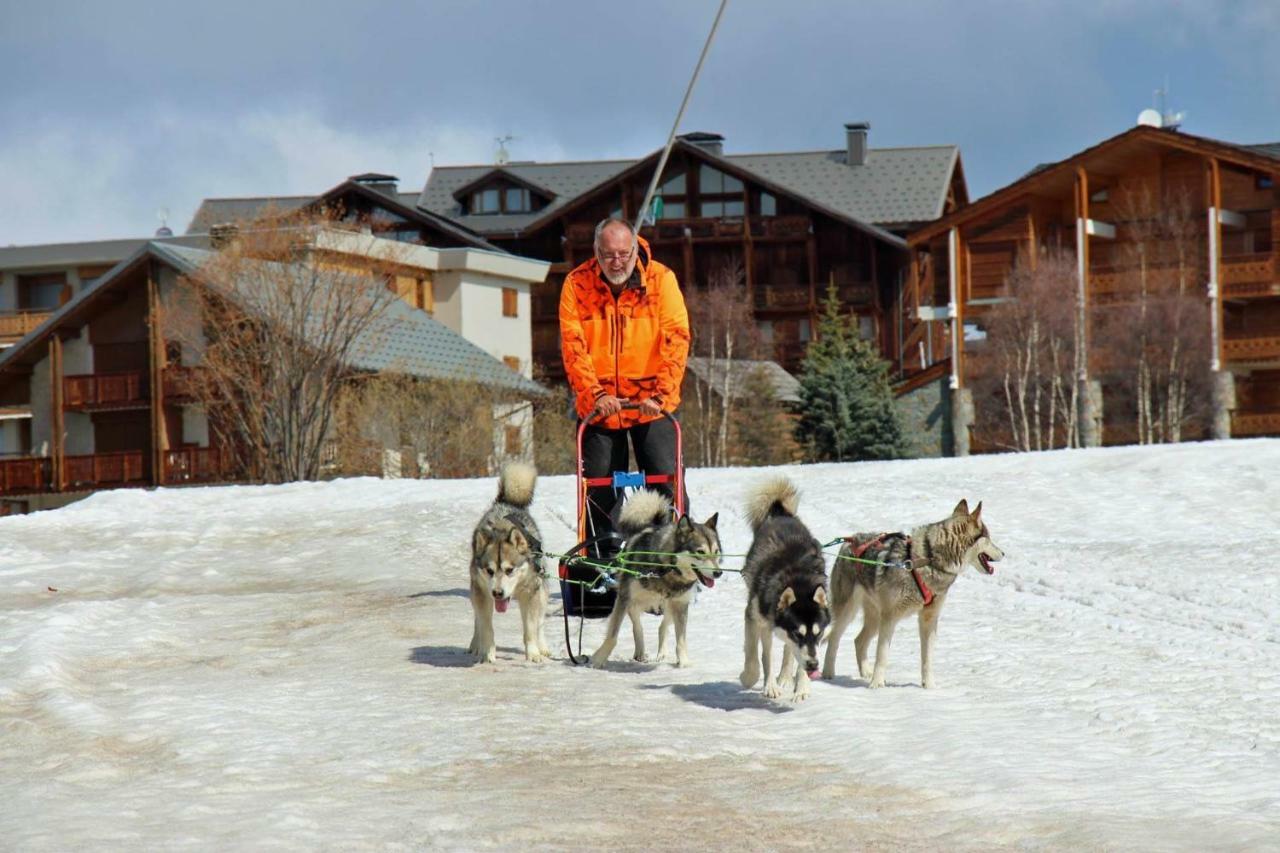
(624, 334)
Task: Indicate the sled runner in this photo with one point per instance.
(588, 575)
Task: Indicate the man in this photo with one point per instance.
(624, 334)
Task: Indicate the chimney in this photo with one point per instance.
(222, 235)
(388, 185)
(712, 143)
(855, 138)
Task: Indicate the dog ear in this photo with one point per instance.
(516, 538)
(977, 513)
(711, 522)
(962, 508)
(685, 524)
(820, 596)
(477, 540)
(787, 599)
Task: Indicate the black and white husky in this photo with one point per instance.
(506, 563)
(670, 557)
(894, 575)
(786, 578)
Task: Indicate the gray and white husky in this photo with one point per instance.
(786, 578)
(506, 563)
(675, 555)
(901, 575)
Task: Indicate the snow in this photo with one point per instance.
(285, 667)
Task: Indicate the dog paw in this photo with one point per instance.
(772, 690)
(490, 656)
(876, 682)
(801, 694)
(534, 656)
(598, 661)
(828, 672)
(928, 684)
(641, 658)
(865, 670)
(683, 663)
(749, 677)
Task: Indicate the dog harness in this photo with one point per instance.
(914, 564)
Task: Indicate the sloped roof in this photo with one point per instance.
(406, 341)
(785, 386)
(895, 185)
(215, 211)
(1270, 149)
(90, 252)
(567, 180)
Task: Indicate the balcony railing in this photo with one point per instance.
(16, 324)
(122, 468)
(1245, 424)
(198, 465)
(781, 296)
(105, 390)
(24, 474)
(1250, 275)
(1251, 349)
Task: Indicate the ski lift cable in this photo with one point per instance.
(671, 138)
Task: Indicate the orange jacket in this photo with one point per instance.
(633, 347)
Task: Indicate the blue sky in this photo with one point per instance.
(113, 111)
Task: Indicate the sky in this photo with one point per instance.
(115, 112)
(285, 668)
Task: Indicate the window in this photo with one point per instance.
(721, 194)
(503, 198)
(509, 303)
(673, 194)
(768, 205)
(516, 200)
(42, 292)
(513, 444)
(1265, 182)
(1100, 195)
(672, 209)
(485, 201)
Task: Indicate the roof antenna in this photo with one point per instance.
(503, 156)
(1168, 119)
(164, 230)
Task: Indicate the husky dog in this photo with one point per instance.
(676, 555)
(506, 564)
(786, 581)
(902, 574)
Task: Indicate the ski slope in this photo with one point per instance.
(285, 668)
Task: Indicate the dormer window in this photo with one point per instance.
(501, 196)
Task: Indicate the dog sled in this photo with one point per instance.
(588, 571)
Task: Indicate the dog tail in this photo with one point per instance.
(775, 496)
(645, 508)
(515, 484)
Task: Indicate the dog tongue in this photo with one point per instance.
(500, 604)
(706, 581)
(814, 674)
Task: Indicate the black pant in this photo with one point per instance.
(604, 451)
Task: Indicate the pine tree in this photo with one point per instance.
(846, 409)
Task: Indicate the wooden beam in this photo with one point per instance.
(1215, 264)
(957, 313)
(811, 257)
(57, 447)
(156, 358)
(1082, 267)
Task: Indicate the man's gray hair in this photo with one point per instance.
(613, 220)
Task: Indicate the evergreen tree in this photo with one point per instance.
(846, 409)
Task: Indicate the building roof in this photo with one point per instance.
(407, 341)
(785, 386)
(894, 186)
(92, 252)
(566, 180)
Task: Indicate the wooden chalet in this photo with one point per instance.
(959, 266)
(94, 397)
(796, 221)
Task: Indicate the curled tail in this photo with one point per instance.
(775, 496)
(515, 484)
(645, 508)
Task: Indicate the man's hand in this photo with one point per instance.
(607, 406)
(652, 408)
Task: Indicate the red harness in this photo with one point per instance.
(859, 550)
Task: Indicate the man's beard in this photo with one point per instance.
(616, 280)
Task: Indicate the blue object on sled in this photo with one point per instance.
(628, 479)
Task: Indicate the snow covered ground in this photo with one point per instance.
(285, 668)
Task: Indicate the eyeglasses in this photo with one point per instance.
(615, 256)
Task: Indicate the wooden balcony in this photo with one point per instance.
(1246, 424)
(1251, 349)
(789, 296)
(25, 475)
(14, 325)
(1250, 275)
(198, 465)
(101, 391)
(180, 383)
(98, 470)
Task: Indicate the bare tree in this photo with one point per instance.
(1033, 355)
(723, 329)
(1157, 328)
(278, 330)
